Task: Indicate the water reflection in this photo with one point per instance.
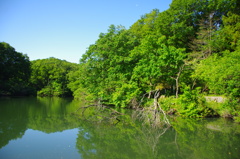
(44, 114)
(188, 138)
(13, 120)
(200, 139)
(47, 119)
(52, 114)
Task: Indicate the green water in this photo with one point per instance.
(48, 128)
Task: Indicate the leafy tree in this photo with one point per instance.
(164, 50)
(14, 71)
(145, 25)
(159, 63)
(49, 76)
(106, 64)
(228, 37)
(224, 75)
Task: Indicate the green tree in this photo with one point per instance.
(159, 64)
(106, 64)
(145, 25)
(49, 76)
(224, 75)
(14, 71)
(159, 51)
(228, 37)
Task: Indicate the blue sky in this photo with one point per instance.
(65, 28)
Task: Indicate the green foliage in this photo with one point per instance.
(106, 66)
(14, 71)
(193, 43)
(228, 37)
(237, 117)
(230, 108)
(168, 104)
(119, 69)
(193, 104)
(224, 75)
(50, 76)
(165, 50)
(159, 62)
(126, 96)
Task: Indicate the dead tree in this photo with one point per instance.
(153, 115)
(102, 112)
(177, 79)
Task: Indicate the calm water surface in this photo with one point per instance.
(49, 128)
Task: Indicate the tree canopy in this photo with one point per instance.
(49, 76)
(160, 51)
(14, 71)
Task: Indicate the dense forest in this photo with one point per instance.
(188, 52)
(43, 77)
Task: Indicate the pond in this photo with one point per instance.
(49, 128)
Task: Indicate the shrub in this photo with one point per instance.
(168, 104)
(193, 104)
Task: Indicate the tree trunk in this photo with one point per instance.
(177, 79)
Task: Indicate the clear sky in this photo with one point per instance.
(65, 28)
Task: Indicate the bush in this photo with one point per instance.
(46, 91)
(237, 117)
(230, 109)
(193, 104)
(168, 104)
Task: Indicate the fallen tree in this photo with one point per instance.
(152, 115)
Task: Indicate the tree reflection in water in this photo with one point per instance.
(101, 137)
(187, 138)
